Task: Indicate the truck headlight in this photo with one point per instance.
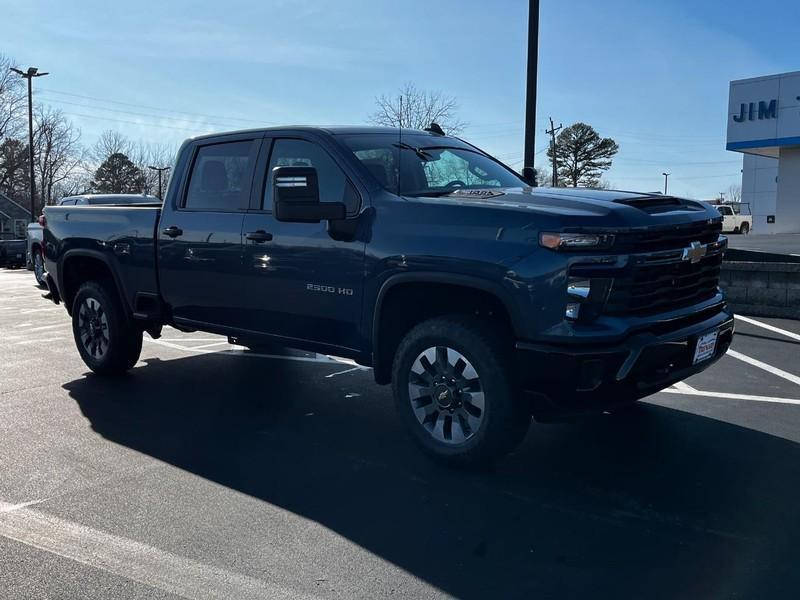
(576, 241)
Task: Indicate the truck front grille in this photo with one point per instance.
(661, 277)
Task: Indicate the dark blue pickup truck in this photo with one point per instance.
(481, 299)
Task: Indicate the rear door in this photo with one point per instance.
(304, 281)
(200, 236)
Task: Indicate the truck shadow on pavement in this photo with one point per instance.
(661, 503)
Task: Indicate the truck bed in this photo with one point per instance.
(123, 236)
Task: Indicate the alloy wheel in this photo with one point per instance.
(93, 327)
(446, 395)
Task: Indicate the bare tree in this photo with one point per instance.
(156, 155)
(417, 109)
(735, 192)
(56, 150)
(110, 142)
(12, 100)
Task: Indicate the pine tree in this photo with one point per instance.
(117, 175)
(582, 155)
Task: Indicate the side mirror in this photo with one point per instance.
(296, 197)
(529, 175)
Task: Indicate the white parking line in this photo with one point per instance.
(680, 385)
(46, 327)
(359, 368)
(131, 559)
(39, 341)
(727, 396)
(222, 343)
(772, 328)
(233, 352)
(764, 366)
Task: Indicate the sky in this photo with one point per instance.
(652, 75)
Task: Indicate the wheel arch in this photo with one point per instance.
(81, 265)
(428, 295)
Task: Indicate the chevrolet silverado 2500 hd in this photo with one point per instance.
(482, 300)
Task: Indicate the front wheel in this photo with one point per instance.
(107, 342)
(455, 390)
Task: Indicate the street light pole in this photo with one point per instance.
(29, 75)
(666, 175)
(160, 170)
(530, 91)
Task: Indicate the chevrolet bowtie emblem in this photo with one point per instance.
(694, 252)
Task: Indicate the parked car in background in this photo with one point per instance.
(34, 254)
(82, 199)
(34, 260)
(736, 218)
(12, 253)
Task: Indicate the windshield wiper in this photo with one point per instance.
(418, 151)
(431, 193)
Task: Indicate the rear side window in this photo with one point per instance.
(221, 177)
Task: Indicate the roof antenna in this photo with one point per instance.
(435, 128)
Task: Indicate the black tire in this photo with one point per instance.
(38, 267)
(107, 342)
(505, 415)
(744, 229)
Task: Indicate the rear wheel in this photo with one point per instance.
(107, 342)
(456, 391)
(745, 228)
(38, 267)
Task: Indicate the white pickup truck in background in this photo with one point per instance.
(736, 217)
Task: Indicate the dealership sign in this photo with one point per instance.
(765, 111)
(764, 114)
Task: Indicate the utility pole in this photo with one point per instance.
(530, 91)
(553, 131)
(666, 175)
(160, 170)
(722, 196)
(29, 75)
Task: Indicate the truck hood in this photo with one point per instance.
(586, 207)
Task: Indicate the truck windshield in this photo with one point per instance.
(421, 165)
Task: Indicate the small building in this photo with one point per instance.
(14, 219)
(764, 125)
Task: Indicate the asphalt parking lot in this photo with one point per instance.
(210, 472)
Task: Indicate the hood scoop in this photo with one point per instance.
(660, 204)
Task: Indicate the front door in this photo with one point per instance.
(304, 281)
(200, 238)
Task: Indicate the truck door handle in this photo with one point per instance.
(259, 236)
(172, 231)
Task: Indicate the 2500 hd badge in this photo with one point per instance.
(329, 289)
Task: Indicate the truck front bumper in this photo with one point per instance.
(572, 379)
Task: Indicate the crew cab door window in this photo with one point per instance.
(725, 211)
(221, 176)
(333, 183)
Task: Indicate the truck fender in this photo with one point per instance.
(96, 255)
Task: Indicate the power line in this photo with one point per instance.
(139, 123)
(156, 108)
(130, 112)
